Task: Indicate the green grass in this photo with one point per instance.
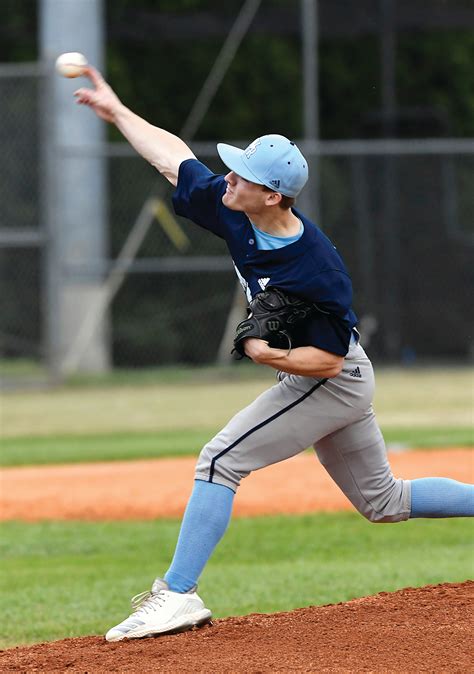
(39, 450)
(174, 411)
(71, 579)
(22, 368)
(107, 447)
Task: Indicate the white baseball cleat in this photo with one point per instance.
(161, 611)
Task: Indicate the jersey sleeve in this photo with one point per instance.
(331, 290)
(198, 195)
(331, 325)
(326, 331)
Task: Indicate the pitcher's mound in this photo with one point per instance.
(412, 630)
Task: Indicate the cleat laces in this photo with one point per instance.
(147, 601)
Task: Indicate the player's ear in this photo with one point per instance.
(273, 198)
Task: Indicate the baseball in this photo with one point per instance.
(71, 64)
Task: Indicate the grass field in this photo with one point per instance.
(71, 579)
(50, 449)
(171, 413)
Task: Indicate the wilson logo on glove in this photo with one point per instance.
(242, 328)
(273, 326)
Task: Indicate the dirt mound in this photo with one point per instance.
(413, 630)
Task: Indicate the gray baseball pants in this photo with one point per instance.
(335, 416)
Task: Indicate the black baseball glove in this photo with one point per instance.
(272, 316)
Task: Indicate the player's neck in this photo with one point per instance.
(276, 222)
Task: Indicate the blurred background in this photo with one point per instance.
(98, 274)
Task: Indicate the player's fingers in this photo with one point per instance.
(94, 75)
(81, 93)
(84, 95)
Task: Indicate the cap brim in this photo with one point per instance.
(233, 159)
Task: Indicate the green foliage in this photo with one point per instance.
(262, 89)
(436, 69)
(76, 578)
(349, 85)
(19, 25)
(268, 73)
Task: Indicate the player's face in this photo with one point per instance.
(242, 195)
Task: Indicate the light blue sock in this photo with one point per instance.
(204, 523)
(441, 497)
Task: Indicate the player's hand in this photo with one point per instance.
(259, 351)
(102, 98)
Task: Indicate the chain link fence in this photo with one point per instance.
(404, 223)
(400, 212)
(21, 240)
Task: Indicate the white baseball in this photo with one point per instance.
(71, 64)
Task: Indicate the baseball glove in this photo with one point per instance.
(272, 316)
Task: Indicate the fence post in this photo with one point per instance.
(74, 185)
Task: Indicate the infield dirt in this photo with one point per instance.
(413, 630)
(148, 489)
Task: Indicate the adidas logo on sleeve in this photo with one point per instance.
(356, 373)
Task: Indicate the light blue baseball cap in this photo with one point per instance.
(271, 160)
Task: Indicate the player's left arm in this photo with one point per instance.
(308, 361)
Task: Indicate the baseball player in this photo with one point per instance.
(325, 383)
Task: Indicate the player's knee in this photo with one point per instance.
(389, 505)
(376, 517)
(216, 466)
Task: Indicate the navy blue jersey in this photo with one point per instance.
(310, 267)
